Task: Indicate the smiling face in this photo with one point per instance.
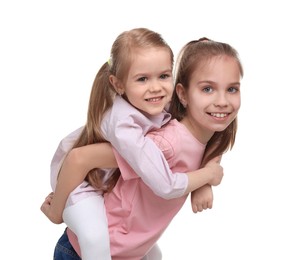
(212, 98)
(149, 83)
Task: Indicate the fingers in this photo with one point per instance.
(194, 208)
(214, 160)
(47, 202)
(201, 206)
(49, 198)
(209, 204)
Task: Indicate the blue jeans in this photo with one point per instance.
(64, 250)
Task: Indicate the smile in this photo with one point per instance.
(155, 99)
(219, 115)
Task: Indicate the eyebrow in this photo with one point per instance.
(140, 74)
(213, 82)
(206, 81)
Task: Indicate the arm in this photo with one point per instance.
(125, 128)
(202, 198)
(76, 166)
(150, 164)
(211, 174)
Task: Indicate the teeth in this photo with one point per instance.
(220, 115)
(153, 99)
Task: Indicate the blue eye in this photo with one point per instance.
(233, 89)
(207, 89)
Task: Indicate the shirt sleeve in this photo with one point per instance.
(139, 154)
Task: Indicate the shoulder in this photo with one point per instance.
(166, 138)
(174, 139)
(168, 132)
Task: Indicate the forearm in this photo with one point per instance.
(205, 186)
(71, 175)
(146, 160)
(74, 170)
(197, 179)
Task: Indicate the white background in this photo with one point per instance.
(50, 52)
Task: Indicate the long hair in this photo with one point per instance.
(192, 55)
(123, 52)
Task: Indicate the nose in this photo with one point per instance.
(221, 100)
(155, 86)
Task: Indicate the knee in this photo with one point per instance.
(95, 240)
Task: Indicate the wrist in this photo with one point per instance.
(55, 218)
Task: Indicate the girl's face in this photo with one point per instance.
(149, 84)
(212, 98)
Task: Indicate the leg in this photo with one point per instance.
(87, 219)
(153, 254)
(63, 249)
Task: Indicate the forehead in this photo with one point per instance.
(218, 65)
(142, 54)
(222, 70)
(139, 57)
(151, 59)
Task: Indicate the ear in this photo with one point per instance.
(182, 95)
(116, 83)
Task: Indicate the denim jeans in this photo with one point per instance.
(64, 250)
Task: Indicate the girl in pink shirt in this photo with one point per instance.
(206, 103)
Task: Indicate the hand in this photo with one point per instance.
(202, 198)
(46, 209)
(216, 171)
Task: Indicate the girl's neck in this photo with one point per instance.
(201, 134)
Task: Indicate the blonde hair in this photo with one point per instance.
(193, 55)
(123, 52)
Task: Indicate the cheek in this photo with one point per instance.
(195, 110)
(197, 102)
(132, 94)
(237, 103)
(170, 90)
